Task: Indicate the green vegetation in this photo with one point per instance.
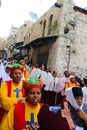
(53, 27)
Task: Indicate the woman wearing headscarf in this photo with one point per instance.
(76, 105)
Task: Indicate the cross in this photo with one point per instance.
(17, 92)
(66, 114)
(31, 120)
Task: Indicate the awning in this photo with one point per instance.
(82, 10)
(41, 41)
(17, 45)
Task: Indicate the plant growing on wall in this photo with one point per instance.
(66, 29)
(40, 22)
(53, 27)
(74, 51)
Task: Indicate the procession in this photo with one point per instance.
(43, 65)
(36, 98)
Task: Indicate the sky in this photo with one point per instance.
(15, 12)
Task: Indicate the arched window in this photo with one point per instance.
(44, 26)
(50, 23)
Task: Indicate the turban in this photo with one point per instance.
(32, 83)
(16, 67)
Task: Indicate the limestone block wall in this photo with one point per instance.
(79, 59)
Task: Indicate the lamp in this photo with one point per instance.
(69, 55)
(59, 5)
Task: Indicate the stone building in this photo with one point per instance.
(58, 39)
(3, 50)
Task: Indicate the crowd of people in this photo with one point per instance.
(33, 97)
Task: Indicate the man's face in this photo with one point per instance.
(23, 63)
(73, 80)
(67, 74)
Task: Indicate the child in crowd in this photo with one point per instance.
(23, 116)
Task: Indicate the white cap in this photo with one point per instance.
(72, 76)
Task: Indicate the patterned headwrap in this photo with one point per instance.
(32, 83)
(16, 67)
(21, 61)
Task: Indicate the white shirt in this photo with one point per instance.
(43, 77)
(5, 77)
(52, 83)
(61, 84)
(84, 89)
(35, 73)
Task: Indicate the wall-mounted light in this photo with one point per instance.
(59, 5)
(68, 46)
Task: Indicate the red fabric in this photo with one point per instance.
(49, 120)
(13, 69)
(76, 84)
(25, 73)
(32, 86)
(2, 111)
(23, 92)
(19, 116)
(9, 87)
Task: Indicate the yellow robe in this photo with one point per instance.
(8, 124)
(70, 85)
(8, 102)
(25, 73)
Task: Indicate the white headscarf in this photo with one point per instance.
(71, 99)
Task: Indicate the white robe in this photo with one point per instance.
(84, 89)
(52, 84)
(44, 77)
(35, 73)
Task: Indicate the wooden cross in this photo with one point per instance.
(66, 114)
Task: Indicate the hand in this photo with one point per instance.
(20, 99)
(32, 127)
(82, 115)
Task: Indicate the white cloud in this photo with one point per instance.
(81, 3)
(15, 12)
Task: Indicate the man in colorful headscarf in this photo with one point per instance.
(24, 115)
(72, 82)
(11, 92)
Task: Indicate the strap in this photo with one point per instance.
(2, 111)
(19, 116)
(9, 87)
